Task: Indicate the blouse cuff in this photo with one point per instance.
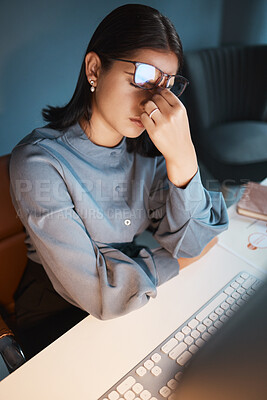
(191, 198)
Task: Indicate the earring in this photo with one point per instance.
(92, 88)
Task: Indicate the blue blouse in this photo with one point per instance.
(82, 203)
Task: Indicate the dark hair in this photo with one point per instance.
(123, 31)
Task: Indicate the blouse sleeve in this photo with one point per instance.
(185, 219)
(97, 278)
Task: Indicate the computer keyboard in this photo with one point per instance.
(157, 376)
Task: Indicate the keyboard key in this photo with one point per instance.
(207, 322)
(137, 388)
(184, 358)
(230, 300)
(177, 351)
(145, 395)
(113, 395)
(241, 290)
(129, 395)
(213, 316)
(245, 275)
(250, 292)
(225, 305)
(195, 334)
(156, 357)
(218, 324)
(189, 340)
(245, 297)
(201, 328)
(219, 311)
(179, 336)
(240, 280)
(172, 384)
(156, 371)
(178, 376)
(186, 330)
(141, 371)
(212, 330)
(257, 285)
(210, 307)
(199, 342)
(234, 285)
(224, 318)
(165, 391)
(126, 385)
(249, 282)
(193, 323)
(166, 348)
(229, 290)
(236, 295)
(229, 313)
(193, 349)
(148, 364)
(235, 307)
(206, 336)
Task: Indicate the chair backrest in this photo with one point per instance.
(226, 84)
(12, 248)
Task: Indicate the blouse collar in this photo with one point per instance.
(76, 137)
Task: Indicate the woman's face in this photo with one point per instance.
(117, 105)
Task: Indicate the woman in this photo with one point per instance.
(116, 160)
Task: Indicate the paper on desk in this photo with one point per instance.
(246, 238)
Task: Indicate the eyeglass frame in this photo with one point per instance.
(163, 74)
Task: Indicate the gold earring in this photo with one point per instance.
(92, 88)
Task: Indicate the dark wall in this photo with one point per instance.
(43, 43)
(244, 22)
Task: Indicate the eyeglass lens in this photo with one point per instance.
(180, 86)
(148, 77)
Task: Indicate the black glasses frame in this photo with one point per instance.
(163, 74)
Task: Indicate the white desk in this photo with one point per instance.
(95, 354)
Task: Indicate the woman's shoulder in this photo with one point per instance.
(34, 149)
(38, 135)
(43, 141)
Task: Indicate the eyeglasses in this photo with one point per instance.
(147, 76)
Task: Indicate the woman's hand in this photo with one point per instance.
(168, 128)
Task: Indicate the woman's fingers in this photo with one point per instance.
(168, 96)
(153, 111)
(147, 122)
(150, 106)
(160, 108)
(165, 101)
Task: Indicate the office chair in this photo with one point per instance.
(226, 103)
(13, 260)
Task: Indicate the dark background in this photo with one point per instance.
(43, 43)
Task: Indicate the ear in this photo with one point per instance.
(92, 66)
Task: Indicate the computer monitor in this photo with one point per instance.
(233, 364)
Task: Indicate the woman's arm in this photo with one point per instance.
(184, 262)
(186, 216)
(169, 131)
(185, 219)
